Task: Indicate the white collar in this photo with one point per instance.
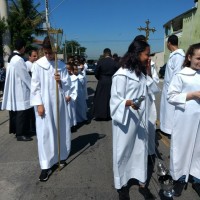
(128, 73)
(44, 63)
(177, 51)
(187, 71)
(73, 77)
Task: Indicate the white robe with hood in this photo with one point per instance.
(173, 66)
(130, 137)
(185, 137)
(17, 86)
(43, 92)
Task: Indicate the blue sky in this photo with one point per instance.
(99, 24)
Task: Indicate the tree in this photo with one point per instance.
(3, 28)
(23, 20)
(72, 48)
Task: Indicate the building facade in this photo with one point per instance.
(186, 26)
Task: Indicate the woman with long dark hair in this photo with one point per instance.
(129, 112)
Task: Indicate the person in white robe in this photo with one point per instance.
(71, 98)
(184, 94)
(83, 67)
(32, 57)
(81, 105)
(152, 107)
(152, 114)
(174, 65)
(16, 96)
(43, 97)
(130, 123)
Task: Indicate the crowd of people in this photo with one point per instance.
(34, 89)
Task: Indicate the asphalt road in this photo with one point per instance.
(88, 174)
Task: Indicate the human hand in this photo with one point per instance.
(57, 77)
(193, 95)
(134, 107)
(68, 99)
(148, 67)
(41, 110)
(131, 104)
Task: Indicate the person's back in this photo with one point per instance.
(174, 65)
(20, 81)
(16, 98)
(106, 67)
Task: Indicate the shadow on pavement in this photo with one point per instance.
(82, 143)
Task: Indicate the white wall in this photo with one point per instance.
(158, 58)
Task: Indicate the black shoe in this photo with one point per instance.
(73, 129)
(146, 193)
(87, 122)
(196, 187)
(151, 159)
(178, 188)
(124, 193)
(24, 138)
(44, 176)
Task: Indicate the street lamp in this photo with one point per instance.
(55, 36)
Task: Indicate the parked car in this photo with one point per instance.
(162, 71)
(91, 67)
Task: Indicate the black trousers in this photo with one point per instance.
(32, 119)
(19, 122)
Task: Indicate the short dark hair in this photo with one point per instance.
(173, 39)
(31, 51)
(19, 43)
(46, 43)
(140, 38)
(107, 51)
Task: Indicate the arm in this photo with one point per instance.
(154, 73)
(74, 90)
(152, 86)
(193, 95)
(178, 63)
(175, 95)
(119, 105)
(36, 98)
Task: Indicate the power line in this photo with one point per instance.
(97, 41)
(56, 7)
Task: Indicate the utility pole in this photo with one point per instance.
(46, 25)
(6, 36)
(65, 51)
(147, 29)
